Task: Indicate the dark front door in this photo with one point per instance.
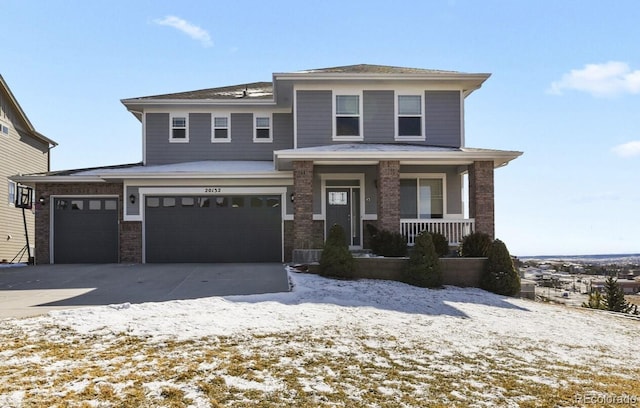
(343, 208)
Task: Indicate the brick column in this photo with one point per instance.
(389, 196)
(481, 196)
(302, 204)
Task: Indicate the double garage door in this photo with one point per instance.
(242, 228)
(205, 229)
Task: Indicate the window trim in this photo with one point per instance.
(227, 116)
(186, 128)
(348, 138)
(398, 137)
(256, 139)
(428, 176)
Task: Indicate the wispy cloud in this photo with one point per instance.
(609, 79)
(629, 149)
(193, 31)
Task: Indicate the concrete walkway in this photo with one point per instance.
(34, 290)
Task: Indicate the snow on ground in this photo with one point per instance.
(450, 323)
(466, 319)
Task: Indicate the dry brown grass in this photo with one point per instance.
(322, 368)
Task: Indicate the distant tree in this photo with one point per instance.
(499, 275)
(595, 300)
(613, 297)
(423, 267)
(336, 259)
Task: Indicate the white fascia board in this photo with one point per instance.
(131, 103)
(381, 76)
(143, 176)
(58, 179)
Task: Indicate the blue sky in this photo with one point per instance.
(565, 86)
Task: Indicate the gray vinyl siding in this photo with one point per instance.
(378, 116)
(314, 118)
(443, 120)
(241, 147)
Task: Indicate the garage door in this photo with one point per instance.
(85, 230)
(213, 229)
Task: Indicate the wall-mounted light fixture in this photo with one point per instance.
(42, 200)
(292, 197)
(132, 198)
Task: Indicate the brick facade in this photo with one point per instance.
(130, 233)
(303, 204)
(481, 196)
(389, 196)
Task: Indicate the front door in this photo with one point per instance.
(343, 208)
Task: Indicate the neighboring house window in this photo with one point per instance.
(12, 193)
(422, 197)
(348, 117)
(179, 129)
(263, 129)
(410, 124)
(221, 130)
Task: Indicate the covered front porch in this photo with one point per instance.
(398, 188)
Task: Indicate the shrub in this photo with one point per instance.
(475, 245)
(387, 243)
(423, 268)
(499, 275)
(441, 243)
(336, 259)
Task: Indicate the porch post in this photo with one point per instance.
(389, 195)
(481, 196)
(302, 204)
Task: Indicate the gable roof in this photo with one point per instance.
(22, 115)
(374, 69)
(255, 90)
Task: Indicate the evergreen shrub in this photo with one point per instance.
(475, 245)
(336, 260)
(387, 243)
(441, 243)
(423, 268)
(499, 275)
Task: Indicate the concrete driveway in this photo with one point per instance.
(34, 290)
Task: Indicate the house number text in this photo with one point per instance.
(212, 190)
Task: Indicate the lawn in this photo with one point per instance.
(328, 343)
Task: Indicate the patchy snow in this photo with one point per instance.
(354, 317)
(208, 166)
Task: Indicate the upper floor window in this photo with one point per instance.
(179, 131)
(12, 193)
(348, 123)
(221, 129)
(410, 124)
(262, 130)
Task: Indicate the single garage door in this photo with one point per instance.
(213, 229)
(85, 230)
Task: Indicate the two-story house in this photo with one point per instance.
(251, 172)
(22, 150)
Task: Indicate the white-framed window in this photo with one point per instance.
(348, 120)
(422, 196)
(221, 125)
(12, 193)
(262, 130)
(410, 114)
(179, 129)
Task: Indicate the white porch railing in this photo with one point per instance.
(453, 230)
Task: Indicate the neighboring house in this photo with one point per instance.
(254, 171)
(22, 151)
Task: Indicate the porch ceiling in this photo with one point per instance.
(362, 154)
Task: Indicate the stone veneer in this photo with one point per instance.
(130, 232)
(481, 196)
